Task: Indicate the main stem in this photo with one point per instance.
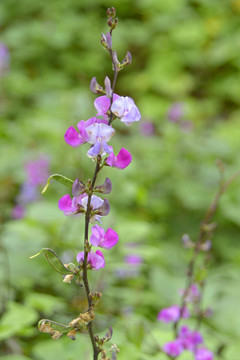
(86, 250)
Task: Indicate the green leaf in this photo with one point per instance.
(60, 178)
(54, 261)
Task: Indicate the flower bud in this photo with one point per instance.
(109, 40)
(104, 41)
(95, 87)
(78, 188)
(128, 59)
(116, 63)
(112, 23)
(72, 334)
(206, 246)
(111, 12)
(108, 89)
(104, 209)
(105, 188)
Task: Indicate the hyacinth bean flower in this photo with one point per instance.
(37, 171)
(103, 239)
(172, 314)
(173, 348)
(203, 354)
(121, 161)
(94, 131)
(95, 260)
(78, 205)
(102, 104)
(126, 110)
(189, 339)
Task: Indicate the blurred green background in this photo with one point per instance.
(185, 52)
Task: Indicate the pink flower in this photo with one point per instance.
(102, 103)
(18, 212)
(125, 109)
(78, 205)
(121, 161)
(37, 171)
(94, 131)
(133, 259)
(173, 348)
(172, 314)
(203, 354)
(103, 239)
(189, 339)
(95, 259)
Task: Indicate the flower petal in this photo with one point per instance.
(72, 137)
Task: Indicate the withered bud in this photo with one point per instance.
(128, 59)
(105, 188)
(108, 89)
(56, 334)
(68, 278)
(78, 188)
(111, 12)
(95, 87)
(76, 322)
(45, 328)
(88, 316)
(103, 355)
(72, 334)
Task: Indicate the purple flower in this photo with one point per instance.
(105, 188)
(95, 260)
(173, 348)
(94, 131)
(121, 161)
(28, 193)
(147, 128)
(133, 259)
(175, 112)
(4, 59)
(37, 171)
(203, 354)
(192, 295)
(78, 205)
(103, 239)
(189, 339)
(102, 104)
(172, 314)
(125, 109)
(18, 212)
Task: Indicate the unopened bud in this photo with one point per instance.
(206, 246)
(104, 41)
(116, 63)
(106, 187)
(109, 40)
(78, 188)
(111, 12)
(108, 89)
(112, 22)
(128, 59)
(187, 242)
(104, 209)
(95, 87)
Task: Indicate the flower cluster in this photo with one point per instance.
(186, 339)
(98, 131)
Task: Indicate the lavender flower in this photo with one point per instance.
(103, 239)
(95, 260)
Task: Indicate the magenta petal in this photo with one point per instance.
(110, 160)
(72, 137)
(123, 159)
(97, 235)
(65, 204)
(102, 104)
(96, 260)
(83, 134)
(110, 239)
